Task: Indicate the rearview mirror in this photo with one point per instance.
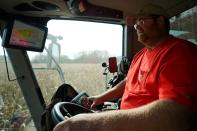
(112, 64)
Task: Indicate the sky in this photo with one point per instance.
(85, 36)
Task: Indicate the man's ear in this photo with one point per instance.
(161, 20)
(130, 21)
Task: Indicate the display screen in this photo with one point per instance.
(26, 36)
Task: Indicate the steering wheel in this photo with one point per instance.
(68, 109)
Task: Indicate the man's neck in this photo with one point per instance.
(154, 43)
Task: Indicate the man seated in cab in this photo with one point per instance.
(160, 90)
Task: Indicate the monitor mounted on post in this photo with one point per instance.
(20, 34)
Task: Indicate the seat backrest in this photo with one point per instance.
(64, 93)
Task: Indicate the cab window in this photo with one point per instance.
(184, 25)
(74, 53)
(14, 113)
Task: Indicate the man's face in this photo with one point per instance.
(148, 30)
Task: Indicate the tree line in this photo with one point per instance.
(95, 56)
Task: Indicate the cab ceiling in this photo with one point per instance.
(37, 8)
(129, 7)
(59, 8)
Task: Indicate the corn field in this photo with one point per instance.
(83, 77)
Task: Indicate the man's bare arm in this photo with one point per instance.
(111, 94)
(115, 92)
(161, 115)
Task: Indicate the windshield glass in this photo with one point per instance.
(74, 53)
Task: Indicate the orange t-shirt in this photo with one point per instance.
(169, 71)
